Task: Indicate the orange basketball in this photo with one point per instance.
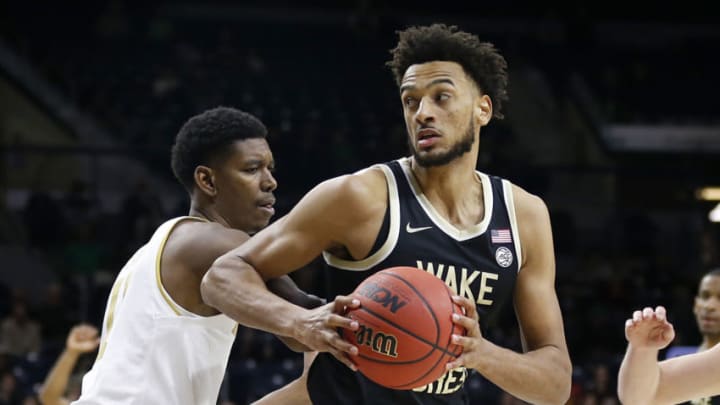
(406, 324)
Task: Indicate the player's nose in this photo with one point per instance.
(268, 182)
(425, 112)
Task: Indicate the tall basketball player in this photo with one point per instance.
(488, 239)
(161, 342)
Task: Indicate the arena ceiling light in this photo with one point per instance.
(708, 194)
(714, 215)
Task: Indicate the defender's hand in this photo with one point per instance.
(318, 329)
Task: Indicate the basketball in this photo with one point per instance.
(405, 329)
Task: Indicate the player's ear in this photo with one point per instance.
(482, 109)
(205, 180)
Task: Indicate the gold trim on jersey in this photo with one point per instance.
(110, 314)
(444, 225)
(122, 282)
(158, 259)
(388, 246)
(510, 204)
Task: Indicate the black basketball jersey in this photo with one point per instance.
(704, 401)
(480, 263)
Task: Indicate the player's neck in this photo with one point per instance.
(196, 210)
(454, 190)
(451, 179)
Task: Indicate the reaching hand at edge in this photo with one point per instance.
(649, 329)
(82, 339)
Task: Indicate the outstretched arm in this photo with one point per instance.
(642, 380)
(647, 332)
(82, 339)
(286, 288)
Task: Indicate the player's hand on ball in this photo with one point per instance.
(319, 329)
(82, 339)
(472, 343)
(649, 329)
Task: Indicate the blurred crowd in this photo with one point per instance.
(141, 77)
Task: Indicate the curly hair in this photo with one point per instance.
(207, 136)
(439, 42)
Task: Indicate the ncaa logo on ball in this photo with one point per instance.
(503, 257)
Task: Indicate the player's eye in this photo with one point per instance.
(410, 102)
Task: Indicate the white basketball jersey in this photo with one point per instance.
(153, 351)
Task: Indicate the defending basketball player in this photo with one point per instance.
(161, 343)
(489, 240)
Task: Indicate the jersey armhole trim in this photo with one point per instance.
(387, 247)
(179, 311)
(510, 204)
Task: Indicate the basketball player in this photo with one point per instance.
(487, 239)
(695, 377)
(161, 343)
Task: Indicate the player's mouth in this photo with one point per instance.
(267, 205)
(709, 320)
(427, 137)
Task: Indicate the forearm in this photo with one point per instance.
(237, 290)
(639, 376)
(542, 376)
(55, 383)
(286, 288)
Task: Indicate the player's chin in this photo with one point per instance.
(261, 223)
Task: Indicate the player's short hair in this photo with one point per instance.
(206, 137)
(439, 42)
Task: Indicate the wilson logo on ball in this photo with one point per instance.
(382, 296)
(378, 341)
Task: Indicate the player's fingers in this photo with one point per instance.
(637, 316)
(343, 302)
(670, 333)
(470, 325)
(660, 313)
(467, 305)
(471, 310)
(338, 343)
(88, 332)
(458, 362)
(629, 324)
(343, 358)
(647, 313)
(335, 321)
(465, 342)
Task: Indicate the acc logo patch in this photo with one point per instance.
(503, 257)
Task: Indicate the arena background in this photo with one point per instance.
(613, 119)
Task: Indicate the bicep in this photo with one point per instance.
(536, 301)
(292, 241)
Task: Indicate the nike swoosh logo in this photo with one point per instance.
(410, 229)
